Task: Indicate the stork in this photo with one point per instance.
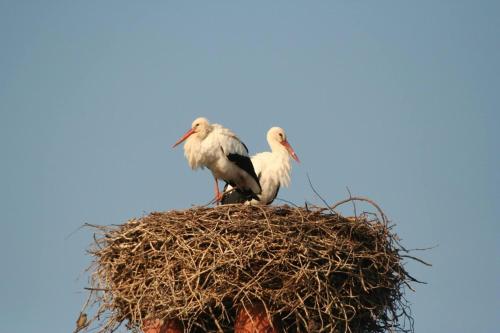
(273, 170)
(221, 151)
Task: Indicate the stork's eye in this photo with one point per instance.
(281, 136)
(196, 125)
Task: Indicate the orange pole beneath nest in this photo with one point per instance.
(157, 326)
(254, 319)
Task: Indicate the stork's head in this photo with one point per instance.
(276, 137)
(199, 128)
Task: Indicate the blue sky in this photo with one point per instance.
(399, 101)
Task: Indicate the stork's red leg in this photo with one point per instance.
(218, 195)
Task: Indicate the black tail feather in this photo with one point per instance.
(235, 196)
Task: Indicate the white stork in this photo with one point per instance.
(273, 170)
(220, 150)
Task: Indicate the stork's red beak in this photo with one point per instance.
(290, 150)
(184, 137)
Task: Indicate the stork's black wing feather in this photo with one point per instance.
(245, 163)
(234, 196)
(244, 145)
(275, 195)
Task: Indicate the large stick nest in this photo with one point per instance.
(314, 269)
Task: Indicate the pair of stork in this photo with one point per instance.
(255, 179)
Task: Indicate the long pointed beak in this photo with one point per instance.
(290, 150)
(184, 137)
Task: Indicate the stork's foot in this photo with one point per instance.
(218, 198)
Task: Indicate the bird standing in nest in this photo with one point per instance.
(273, 170)
(221, 151)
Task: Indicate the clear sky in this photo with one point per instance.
(397, 100)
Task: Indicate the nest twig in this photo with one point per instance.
(316, 270)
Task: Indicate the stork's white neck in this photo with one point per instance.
(279, 163)
(276, 147)
(283, 165)
(193, 147)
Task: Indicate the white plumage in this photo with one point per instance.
(272, 168)
(221, 151)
